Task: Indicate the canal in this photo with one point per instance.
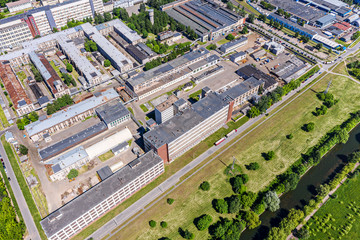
(305, 190)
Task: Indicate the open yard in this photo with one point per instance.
(339, 218)
(190, 202)
(106, 156)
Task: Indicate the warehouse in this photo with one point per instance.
(251, 71)
(59, 167)
(206, 18)
(325, 21)
(68, 117)
(167, 74)
(237, 56)
(77, 214)
(291, 69)
(113, 113)
(233, 45)
(327, 42)
(108, 143)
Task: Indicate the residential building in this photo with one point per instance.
(165, 110)
(52, 80)
(77, 214)
(206, 18)
(113, 113)
(70, 116)
(59, 167)
(18, 97)
(18, 5)
(233, 45)
(167, 74)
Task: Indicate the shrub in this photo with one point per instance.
(220, 205)
(269, 155)
(253, 166)
(308, 127)
(289, 136)
(186, 234)
(23, 150)
(152, 223)
(205, 186)
(203, 222)
(163, 224)
(107, 63)
(73, 174)
(230, 37)
(170, 201)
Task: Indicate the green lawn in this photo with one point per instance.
(145, 109)
(24, 187)
(106, 156)
(340, 68)
(131, 110)
(222, 41)
(342, 42)
(21, 75)
(269, 136)
(343, 210)
(3, 119)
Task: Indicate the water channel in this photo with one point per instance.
(305, 189)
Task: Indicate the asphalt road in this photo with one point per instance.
(33, 233)
(140, 206)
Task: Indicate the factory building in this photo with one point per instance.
(238, 56)
(249, 71)
(167, 74)
(52, 80)
(113, 113)
(70, 116)
(77, 214)
(206, 18)
(291, 69)
(41, 21)
(274, 47)
(20, 100)
(165, 110)
(234, 44)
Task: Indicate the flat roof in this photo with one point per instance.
(167, 103)
(120, 146)
(74, 110)
(238, 54)
(66, 214)
(163, 68)
(186, 120)
(251, 71)
(242, 88)
(104, 173)
(112, 111)
(233, 43)
(128, 33)
(17, 3)
(67, 159)
(77, 138)
(326, 41)
(326, 19)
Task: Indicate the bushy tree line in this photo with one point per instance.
(90, 46)
(354, 68)
(58, 104)
(37, 74)
(267, 5)
(22, 122)
(356, 35)
(269, 99)
(73, 23)
(10, 227)
(68, 79)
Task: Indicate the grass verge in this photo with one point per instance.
(106, 156)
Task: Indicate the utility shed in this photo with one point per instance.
(104, 173)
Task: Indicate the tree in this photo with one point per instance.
(251, 18)
(272, 201)
(170, 201)
(253, 166)
(69, 67)
(237, 184)
(23, 150)
(230, 37)
(253, 112)
(186, 234)
(55, 29)
(244, 30)
(234, 204)
(318, 46)
(20, 124)
(291, 180)
(354, 157)
(323, 190)
(262, 17)
(296, 34)
(203, 222)
(303, 233)
(269, 155)
(90, 46)
(309, 127)
(107, 63)
(163, 224)
(211, 46)
(33, 116)
(73, 174)
(142, 7)
(247, 199)
(220, 205)
(259, 208)
(152, 223)
(205, 186)
(252, 219)
(289, 136)
(107, 17)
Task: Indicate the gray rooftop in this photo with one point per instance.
(104, 173)
(233, 43)
(120, 146)
(58, 147)
(131, 35)
(287, 21)
(67, 159)
(163, 68)
(238, 54)
(180, 102)
(74, 110)
(39, 65)
(241, 88)
(112, 111)
(251, 71)
(95, 195)
(188, 119)
(326, 19)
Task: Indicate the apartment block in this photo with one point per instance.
(77, 214)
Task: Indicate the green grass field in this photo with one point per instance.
(223, 41)
(191, 203)
(106, 156)
(340, 68)
(343, 210)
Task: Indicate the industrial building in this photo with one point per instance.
(274, 47)
(59, 167)
(167, 74)
(291, 69)
(113, 113)
(20, 100)
(52, 80)
(165, 110)
(73, 140)
(140, 53)
(206, 18)
(193, 124)
(326, 42)
(238, 56)
(293, 26)
(68, 117)
(18, 5)
(120, 148)
(41, 21)
(234, 44)
(249, 71)
(77, 214)
(325, 21)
